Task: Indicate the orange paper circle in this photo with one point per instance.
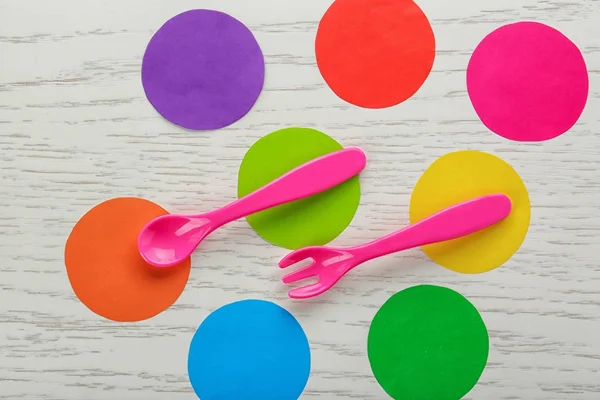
(106, 270)
(375, 53)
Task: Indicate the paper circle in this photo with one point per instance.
(460, 176)
(106, 270)
(312, 221)
(375, 53)
(427, 342)
(203, 70)
(527, 82)
(251, 350)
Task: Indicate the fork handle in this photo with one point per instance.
(306, 180)
(456, 221)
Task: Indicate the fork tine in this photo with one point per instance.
(308, 291)
(294, 257)
(303, 273)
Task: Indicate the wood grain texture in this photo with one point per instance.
(76, 129)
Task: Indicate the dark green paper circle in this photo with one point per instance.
(313, 221)
(427, 343)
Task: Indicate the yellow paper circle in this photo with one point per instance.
(460, 176)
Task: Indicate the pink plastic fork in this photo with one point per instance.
(330, 264)
(170, 239)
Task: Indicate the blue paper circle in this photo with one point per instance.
(249, 350)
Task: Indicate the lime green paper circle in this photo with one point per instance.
(312, 221)
(427, 343)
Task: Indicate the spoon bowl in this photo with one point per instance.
(170, 239)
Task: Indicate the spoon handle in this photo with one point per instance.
(306, 180)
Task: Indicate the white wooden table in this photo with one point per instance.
(76, 129)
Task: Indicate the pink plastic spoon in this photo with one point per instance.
(170, 239)
(330, 264)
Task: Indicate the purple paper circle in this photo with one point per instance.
(203, 70)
